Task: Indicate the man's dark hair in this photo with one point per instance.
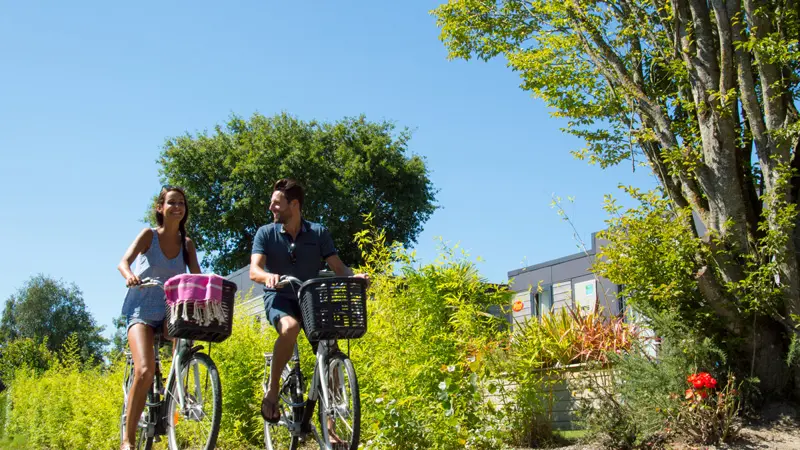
(291, 189)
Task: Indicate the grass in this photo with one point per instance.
(571, 435)
(14, 443)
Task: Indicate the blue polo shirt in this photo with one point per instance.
(311, 247)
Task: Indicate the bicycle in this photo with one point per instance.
(189, 410)
(332, 308)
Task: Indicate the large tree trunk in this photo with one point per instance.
(763, 352)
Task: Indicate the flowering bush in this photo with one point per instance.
(701, 384)
(706, 415)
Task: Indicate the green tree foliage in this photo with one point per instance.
(49, 310)
(704, 93)
(349, 168)
(120, 338)
(23, 353)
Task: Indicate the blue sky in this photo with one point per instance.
(89, 91)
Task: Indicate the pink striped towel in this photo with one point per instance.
(204, 291)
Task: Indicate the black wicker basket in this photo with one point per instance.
(334, 308)
(215, 332)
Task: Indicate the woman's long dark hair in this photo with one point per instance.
(182, 226)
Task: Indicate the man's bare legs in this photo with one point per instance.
(288, 328)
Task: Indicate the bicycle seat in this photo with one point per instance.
(158, 337)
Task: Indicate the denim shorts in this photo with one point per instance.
(277, 306)
(154, 324)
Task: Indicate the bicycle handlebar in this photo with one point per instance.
(286, 279)
(150, 282)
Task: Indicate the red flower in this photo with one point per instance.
(702, 380)
(703, 393)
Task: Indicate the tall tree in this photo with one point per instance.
(704, 91)
(50, 309)
(120, 338)
(349, 168)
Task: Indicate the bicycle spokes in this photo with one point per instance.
(194, 423)
(341, 415)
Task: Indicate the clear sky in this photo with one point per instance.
(89, 91)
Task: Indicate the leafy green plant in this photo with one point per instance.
(24, 352)
(436, 324)
(66, 407)
(570, 336)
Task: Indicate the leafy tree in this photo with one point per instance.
(120, 338)
(23, 352)
(704, 93)
(48, 310)
(349, 168)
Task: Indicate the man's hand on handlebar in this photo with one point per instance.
(364, 276)
(271, 280)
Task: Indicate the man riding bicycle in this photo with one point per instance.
(289, 246)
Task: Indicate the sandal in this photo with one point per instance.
(273, 407)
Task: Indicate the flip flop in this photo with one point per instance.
(273, 407)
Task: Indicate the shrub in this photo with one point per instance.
(707, 414)
(422, 365)
(635, 408)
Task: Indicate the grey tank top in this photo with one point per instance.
(148, 303)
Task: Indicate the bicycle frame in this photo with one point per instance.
(183, 351)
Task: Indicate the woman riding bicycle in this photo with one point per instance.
(160, 253)
(289, 246)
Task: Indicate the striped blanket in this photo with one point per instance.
(203, 291)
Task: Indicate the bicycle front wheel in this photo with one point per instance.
(340, 418)
(195, 425)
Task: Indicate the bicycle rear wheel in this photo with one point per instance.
(196, 425)
(341, 417)
(277, 435)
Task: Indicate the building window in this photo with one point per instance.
(586, 295)
(544, 302)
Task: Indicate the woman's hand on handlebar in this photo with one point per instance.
(132, 280)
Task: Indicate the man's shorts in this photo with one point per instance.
(277, 306)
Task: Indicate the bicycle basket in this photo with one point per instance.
(334, 308)
(186, 326)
